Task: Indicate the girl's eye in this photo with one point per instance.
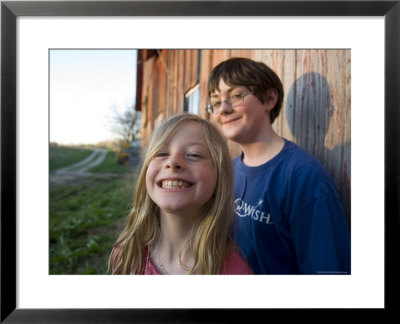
(194, 155)
(161, 154)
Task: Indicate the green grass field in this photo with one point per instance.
(62, 156)
(86, 218)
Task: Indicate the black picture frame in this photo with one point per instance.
(10, 10)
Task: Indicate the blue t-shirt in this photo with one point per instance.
(290, 218)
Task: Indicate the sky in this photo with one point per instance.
(85, 87)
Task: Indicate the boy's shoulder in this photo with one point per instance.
(299, 156)
(305, 165)
(290, 157)
(292, 164)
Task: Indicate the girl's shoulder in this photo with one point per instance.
(235, 265)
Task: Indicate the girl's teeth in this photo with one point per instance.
(174, 184)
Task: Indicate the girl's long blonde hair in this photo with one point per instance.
(212, 241)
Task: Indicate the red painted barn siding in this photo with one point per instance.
(316, 111)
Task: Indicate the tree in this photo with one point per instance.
(126, 125)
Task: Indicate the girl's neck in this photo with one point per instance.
(173, 252)
(262, 151)
(177, 228)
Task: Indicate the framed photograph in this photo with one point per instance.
(370, 29)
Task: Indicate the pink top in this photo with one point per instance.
(233, 265)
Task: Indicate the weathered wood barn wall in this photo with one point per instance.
(316, 112)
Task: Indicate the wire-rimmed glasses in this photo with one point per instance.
(233, 100)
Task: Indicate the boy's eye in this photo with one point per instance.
(216, 104)
(236, 96)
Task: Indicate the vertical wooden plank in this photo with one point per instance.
(288, 76)
(190, 69)
(152, 110)
(205, 69)
(187, 69)
(170, 82)
(218, 56)
(308, 118)
(347, 139)
(246, 53)
(160, 93)
(338, 73)
(147, 102)
(276, 64)
(174, 75)
(196, 58)
(180, 84)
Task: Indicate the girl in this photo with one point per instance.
(182, 218)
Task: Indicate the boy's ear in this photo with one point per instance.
(271, 99)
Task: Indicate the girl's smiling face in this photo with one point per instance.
(181, 176)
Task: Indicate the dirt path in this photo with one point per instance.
(91, 161)
(79, 171)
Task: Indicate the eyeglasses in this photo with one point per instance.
(234, 100)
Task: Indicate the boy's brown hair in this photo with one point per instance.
(255, 76)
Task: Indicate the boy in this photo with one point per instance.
(290, 218)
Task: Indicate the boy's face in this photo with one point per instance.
(245, 123)
(180, 178)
